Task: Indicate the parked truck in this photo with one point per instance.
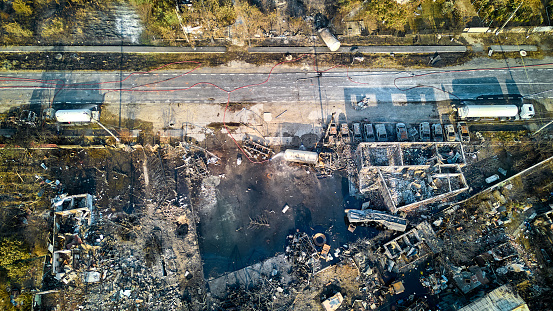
(81, 116)
(301, 156)
(469, 111)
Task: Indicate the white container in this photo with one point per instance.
(301, 156)
(492, 178)
(487, 111)
(74, 115)
(329, 39)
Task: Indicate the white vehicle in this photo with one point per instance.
(82, 115)
(450, 132)
(77, 115)
(502, 112)
(492, 178)
(301, 156)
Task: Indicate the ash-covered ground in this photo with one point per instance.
(240, 210)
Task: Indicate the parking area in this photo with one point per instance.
(406, 132)
(392, 105)
(376, 109)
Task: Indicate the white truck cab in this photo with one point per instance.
(527, 111)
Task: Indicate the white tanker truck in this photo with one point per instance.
(77, 116)
(81, 115)
(469, 111)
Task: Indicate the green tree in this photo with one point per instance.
(16, 31)
(54, 28)
(21, 8)
(12, 251)
(389, 13)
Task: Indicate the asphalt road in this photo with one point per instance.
(336, 86)
(388, 91)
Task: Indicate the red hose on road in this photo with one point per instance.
(50, 84)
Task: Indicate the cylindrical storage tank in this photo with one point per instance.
(74, 115)
(301, 156)
(487, 111)
(329, 39)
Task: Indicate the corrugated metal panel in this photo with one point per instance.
(500, 299)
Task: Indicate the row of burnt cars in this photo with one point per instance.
(425, 132)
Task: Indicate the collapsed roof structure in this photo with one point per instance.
(412, 246)
(502, 298)
(368, 215)
(73, 215)
(403, 176)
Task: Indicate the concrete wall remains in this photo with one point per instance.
(409, 175)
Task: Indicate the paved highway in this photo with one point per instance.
(388, 91)
(282, 87)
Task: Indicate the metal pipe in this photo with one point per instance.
(105, 128)
(512, 15)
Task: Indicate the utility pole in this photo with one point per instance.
(512, 15)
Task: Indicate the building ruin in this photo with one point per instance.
(403, 176)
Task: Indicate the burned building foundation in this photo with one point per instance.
(407, 175)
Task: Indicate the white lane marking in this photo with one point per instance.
(399, 99)
(353, 100)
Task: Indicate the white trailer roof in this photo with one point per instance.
(74, 115)
(488, 111)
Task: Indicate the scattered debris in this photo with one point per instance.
(258, 151)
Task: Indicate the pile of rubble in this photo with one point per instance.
(411, 247)
(146, 259)
(302, 254)
(258, 151)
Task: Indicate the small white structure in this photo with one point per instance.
(329, 39)
(334, 302)
(301, 156)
